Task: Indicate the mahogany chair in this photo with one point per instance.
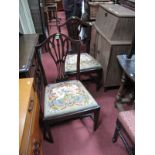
(64, 99)
(125, 127)
(88, 65)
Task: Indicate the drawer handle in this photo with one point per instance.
(31, 105)
(106, 14)
(36, 147)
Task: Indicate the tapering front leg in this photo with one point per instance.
(116, 133)
(96, 118)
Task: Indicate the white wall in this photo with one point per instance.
(25, 20)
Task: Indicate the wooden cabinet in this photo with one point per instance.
(111, 35)
(91, 7)
(30, 137)
(115, 22)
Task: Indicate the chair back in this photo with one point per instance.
(46, 29)
(75, 26)
(58, 45)
(47, 2)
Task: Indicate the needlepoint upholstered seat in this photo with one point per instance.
(86, 62)
(66, 98)
(127, 119)
(126, 125)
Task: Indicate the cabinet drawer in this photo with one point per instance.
(35, 145)
(28, 125)
(35, 126)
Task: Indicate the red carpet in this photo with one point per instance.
(77, 137)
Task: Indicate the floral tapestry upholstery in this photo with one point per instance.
(127, 119)
(66, 97)
(86, 62)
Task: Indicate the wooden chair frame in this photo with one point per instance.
(76, 25)
(56, 42)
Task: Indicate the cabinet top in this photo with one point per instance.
(25, 86)
(118, 10)
(128, 65)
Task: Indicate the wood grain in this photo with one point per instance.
(25, 86)
(30, 137)
(115, 22)
(112, 34)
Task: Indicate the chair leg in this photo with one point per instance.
(99, 80)
(116, 133)
(47, 133)
(133, 150)
(53, 15)
(115, 137)
(129, 150)
(96, 118)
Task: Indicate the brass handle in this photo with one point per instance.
(36, 147)
(31, 105)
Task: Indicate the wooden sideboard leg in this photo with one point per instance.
(120, 91)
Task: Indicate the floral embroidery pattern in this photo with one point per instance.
(66, 96)
(86, 62)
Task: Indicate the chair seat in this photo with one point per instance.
(86, 62)
(51, 5)
(66, 98)
(127, 119)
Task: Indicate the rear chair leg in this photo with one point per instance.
(47, 133)
(99, 80)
